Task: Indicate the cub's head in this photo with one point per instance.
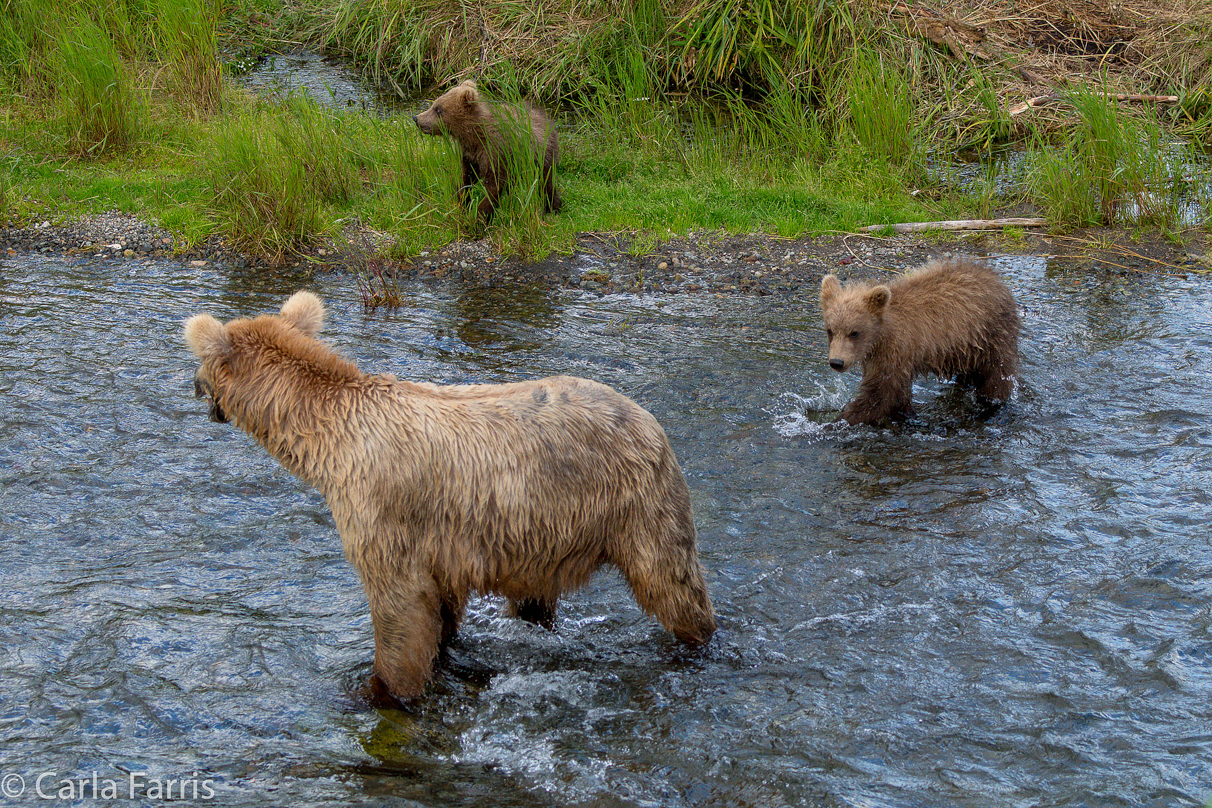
(854, 319)
(229, 351)
(457, 103)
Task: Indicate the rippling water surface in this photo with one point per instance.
(957, 612)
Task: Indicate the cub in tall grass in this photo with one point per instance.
(497, 140)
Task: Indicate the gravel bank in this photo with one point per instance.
(710, 262)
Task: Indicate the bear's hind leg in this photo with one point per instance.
(994, 381)
(667, 580)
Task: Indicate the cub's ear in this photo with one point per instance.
(830, 288)
(468, 93)
(305, 312)
(878, 299)
(206, 336)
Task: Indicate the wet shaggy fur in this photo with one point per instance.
(518, 489)
(483, 132)
(955, 319)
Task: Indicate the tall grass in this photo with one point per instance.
(414, 187)
(94, 88)
(275, 172)
(185, 38)
(285, 177)
(761, 45)
(569, 50)
(90, 68)
(880, 115)
(1112, 168)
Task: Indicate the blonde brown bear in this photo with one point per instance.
(489, 136)
(518, 489)
(953, 318)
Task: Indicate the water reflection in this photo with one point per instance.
(326, 81)
(958, 611)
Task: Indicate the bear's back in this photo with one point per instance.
(948, 313)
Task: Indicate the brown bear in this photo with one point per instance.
(954, 318)
(489, 135)
(520, 489)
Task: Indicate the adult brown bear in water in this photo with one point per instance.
(520, 489)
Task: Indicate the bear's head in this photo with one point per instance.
(228, 352)
(854, 319)
(457, 103)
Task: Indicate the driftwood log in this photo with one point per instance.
(1040, 100)
(956, 224)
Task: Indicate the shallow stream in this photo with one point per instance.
(1010, 612)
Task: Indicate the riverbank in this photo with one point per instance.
(696, 263)
(817, 152)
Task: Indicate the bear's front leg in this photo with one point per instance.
(471, 175)
(410, 622)
(493, 188)
(881, 396)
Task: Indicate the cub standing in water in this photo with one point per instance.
(954, 318)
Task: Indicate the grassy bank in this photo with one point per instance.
(674, 117)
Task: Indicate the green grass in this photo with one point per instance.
(109, 111)
(185, 34)
(96, 103)
(1112, 169)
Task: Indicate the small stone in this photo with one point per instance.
(197, 263)
(663, 265)
(128, 253)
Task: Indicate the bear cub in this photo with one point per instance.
(953, 318)
(487, 134)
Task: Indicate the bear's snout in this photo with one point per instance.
(837, 364)
(203, 389)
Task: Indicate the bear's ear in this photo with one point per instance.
(830, 288)
(468, 93)
(206, 337)
(305, 312)
(878, 299)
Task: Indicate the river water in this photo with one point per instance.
(1002, 612)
